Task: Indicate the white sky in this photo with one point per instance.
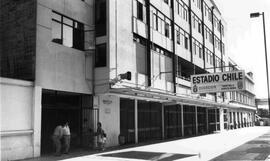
(245, 41)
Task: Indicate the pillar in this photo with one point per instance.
(36, 121)
(136, 120)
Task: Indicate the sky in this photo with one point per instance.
(245, 40)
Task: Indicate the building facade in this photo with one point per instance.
(71, 61)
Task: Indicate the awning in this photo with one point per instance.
(167, 98)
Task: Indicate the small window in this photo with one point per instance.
(199, 27)
(186, 42)
(178, 37)
(101, 56)
(167, 30)
(100, 18)
(166, 1)
(139, 11)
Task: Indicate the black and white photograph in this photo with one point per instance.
(134, 80)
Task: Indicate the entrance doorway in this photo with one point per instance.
(59, 107)
(172, 121)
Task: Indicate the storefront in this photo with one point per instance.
(149, 118)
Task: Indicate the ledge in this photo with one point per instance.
(16, 133)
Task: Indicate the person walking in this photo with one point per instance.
(56, 138)
(66, 137)
(101, 137)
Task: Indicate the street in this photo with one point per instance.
(200, 148)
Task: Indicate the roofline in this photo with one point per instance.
(215, 6)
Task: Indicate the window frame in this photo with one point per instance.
(80, 27)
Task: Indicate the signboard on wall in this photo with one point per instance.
(218, 82)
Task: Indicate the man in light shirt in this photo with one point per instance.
(56, 137)
(66, 136)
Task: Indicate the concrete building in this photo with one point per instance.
(46, 48)
(242, 113)
(59, 62)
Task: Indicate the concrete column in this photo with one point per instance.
(221, 119)
(216, 118)
(242, 119)
(136, 120)
(207, 122)
(182, 119)
(36, 120)
(196, 119)
(162, 121)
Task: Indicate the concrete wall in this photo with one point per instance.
(21, 119)
(59, 67)
(109, 116)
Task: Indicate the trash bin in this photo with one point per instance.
(121, 139)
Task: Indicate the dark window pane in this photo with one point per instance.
(139, 11)
(101, 18)
(101, 57)
(56, 32)
(78, 36)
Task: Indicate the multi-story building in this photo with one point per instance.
(65, 64)
(239, 100)
(48, 48)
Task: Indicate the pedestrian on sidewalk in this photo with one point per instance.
(56, 138)
(66, 138)
(101, 137)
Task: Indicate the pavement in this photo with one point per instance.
(245, 144)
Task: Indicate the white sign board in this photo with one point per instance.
(218, 82)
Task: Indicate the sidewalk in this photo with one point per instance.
(200, 148)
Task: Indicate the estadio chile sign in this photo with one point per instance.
(218, 82)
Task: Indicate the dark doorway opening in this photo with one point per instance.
(149, 121)
(173, 121)
(189, 120)
(127, 120)
(59, 107)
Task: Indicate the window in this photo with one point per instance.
(139, 11)
(185, 16)
(167, 30)
(100, 16)
(101, 56)
(222, 29)
(67, 32)
(199, 27)
(166, 1)
(186, 42)
(178, 37)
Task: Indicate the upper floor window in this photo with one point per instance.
(101, 55)
(197, 48)
(197, 24)
(139, 11)
(167, 30)
(181, 37)
(208, 13)
(67, 31)
(222, 29)
(166, 1)
(182, 10)
(101, 17)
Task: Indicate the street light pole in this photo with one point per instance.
(265, 51)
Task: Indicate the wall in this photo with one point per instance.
(21, 118)
(17, 53)
(109, 116)
(59, 67)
